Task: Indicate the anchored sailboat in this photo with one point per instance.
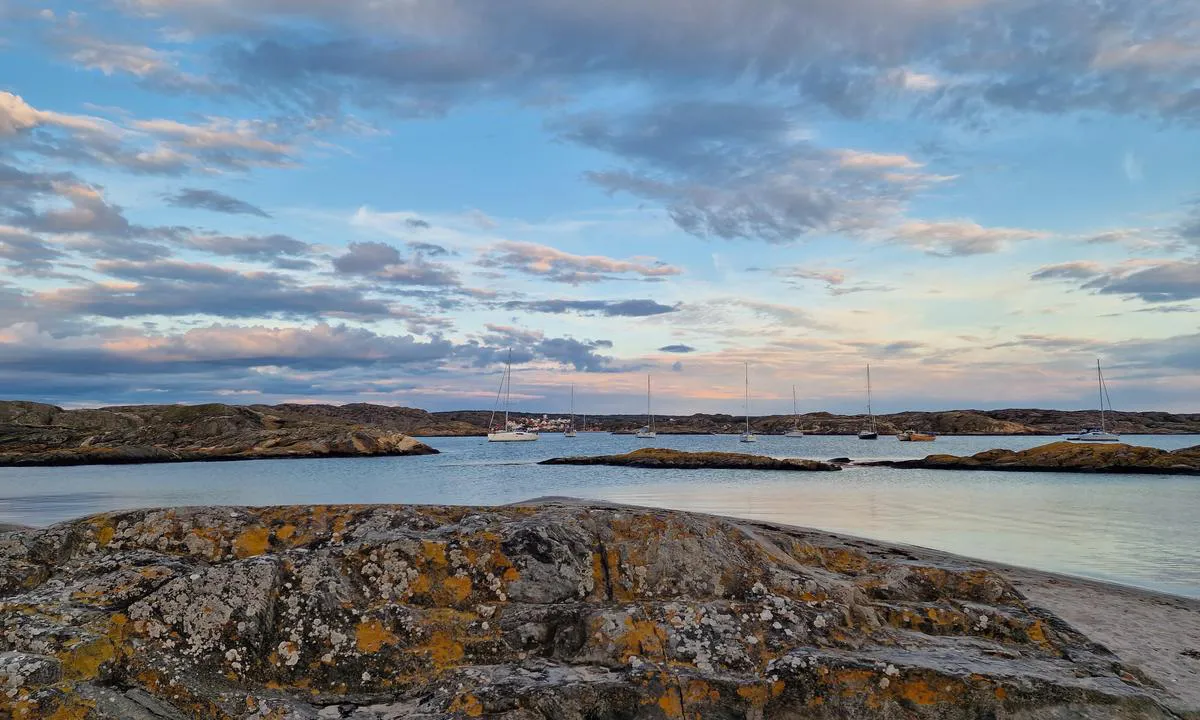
(1101, 433)
(504, 434)
(870, 432)
(647, 431)
(571, 427)
(795, 431)
(747, 436)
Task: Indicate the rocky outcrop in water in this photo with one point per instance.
(34, 434)
(548, 610)
(660, 458)
(1067, 457)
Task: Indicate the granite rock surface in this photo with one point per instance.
(547, 610)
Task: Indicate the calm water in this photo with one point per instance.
(1139, 530)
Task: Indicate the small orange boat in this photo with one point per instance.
(914, 436)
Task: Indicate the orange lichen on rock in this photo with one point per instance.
(467, 704)
(253, 541)
(643, 638)
(444, 650)
(457, 587)
(371, 635)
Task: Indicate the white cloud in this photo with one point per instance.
(876, 161)
(959, 237)
(16, 115)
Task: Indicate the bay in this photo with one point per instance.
(1139, 530)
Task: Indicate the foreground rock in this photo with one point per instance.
(34, 434)
(681, 460)
(553, 610)
(1067, 457)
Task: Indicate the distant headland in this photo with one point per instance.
(421, 423)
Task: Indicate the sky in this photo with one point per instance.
(262, 201)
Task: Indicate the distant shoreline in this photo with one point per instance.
(815, 434)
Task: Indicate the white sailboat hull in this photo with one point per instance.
(512, 436)
(794, 433)
(569, 433)
(748, 438)
(1098, 437)
(645, 434)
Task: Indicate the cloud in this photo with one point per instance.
(779, 314)
(556, 265)
(429, 249)
(1131, 165)
(18, 116)
(216, 349)
(1076, 270)
(214, 200)
(281, 250)
(155, 146)
(384, 262)
(1167, 281)
(527, 345)
(875, 161)
(61, 204)
(176, 288)
(739, 170)
(607, 308)
(25, 253)
(850, 57)
(1153, 281)
(889, 349)
(223, 142)
(959, 238)
(364, 258)
(677, 349)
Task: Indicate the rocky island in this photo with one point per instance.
(33, 434)
(661, 458)
(548, 609)
(1066, 457)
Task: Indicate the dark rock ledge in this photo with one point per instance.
(184, 433)
(547, 610)
(682, 460)
(1066, 457)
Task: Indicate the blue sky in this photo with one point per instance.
(267, 201)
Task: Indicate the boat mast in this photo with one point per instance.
(649, 413)
(1100, 387)
(508, 387)
(870, 415)
(747, 397)
(572, 426)
(496, 403)
(795, 411)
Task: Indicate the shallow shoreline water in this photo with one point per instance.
(1138, 531)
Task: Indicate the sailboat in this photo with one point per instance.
(504, 434)
(795, 431)
(571, 427)
(870, 432)
(747, 436)
(1101, 433)
(647, 431)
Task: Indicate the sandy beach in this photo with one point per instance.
(1158, 633)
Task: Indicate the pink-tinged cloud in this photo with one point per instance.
(560, 266)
